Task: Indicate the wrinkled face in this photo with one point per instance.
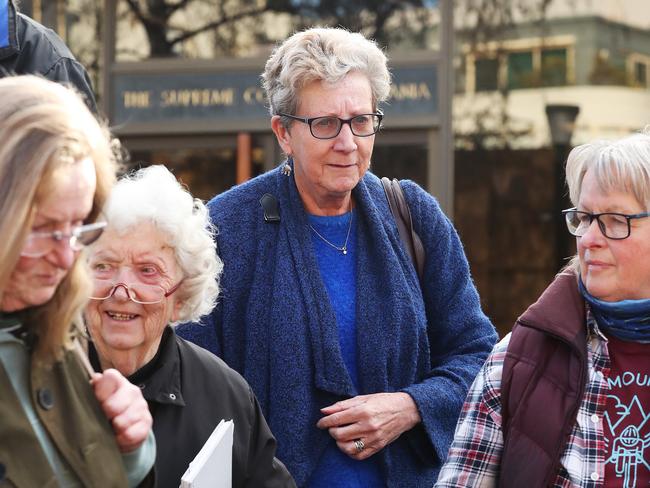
(140, 256)
(614, 270)
(330, 168)
(66, 205)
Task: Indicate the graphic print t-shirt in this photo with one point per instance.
(627, 415)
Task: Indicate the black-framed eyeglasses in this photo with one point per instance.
(39, 244)
(613, 225)
(328, 127)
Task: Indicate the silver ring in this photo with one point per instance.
(360, 446)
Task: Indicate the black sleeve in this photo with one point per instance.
(68, 71)
(264, 469)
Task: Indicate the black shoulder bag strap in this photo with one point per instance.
(402, 214)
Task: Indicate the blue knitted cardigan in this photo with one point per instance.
(274, 323)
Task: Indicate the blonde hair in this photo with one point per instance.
(43, 127)
(153, 195)
(322, 54)
(619, 165)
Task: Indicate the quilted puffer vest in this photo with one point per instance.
(543, 382)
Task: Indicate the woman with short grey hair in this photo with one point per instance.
(360, 366)
(156, 265)
(325, 55)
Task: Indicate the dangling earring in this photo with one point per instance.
(286, 168)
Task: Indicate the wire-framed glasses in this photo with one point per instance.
(39, 244)
(613, 225)
(142, 293)
(328, 127)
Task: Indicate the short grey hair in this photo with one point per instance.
(622, 165)
(325, 54)
(154, 195)
(619, 165)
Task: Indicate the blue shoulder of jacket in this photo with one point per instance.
(422, 204)
(228, 205)
(418, 196)
(231, 202)
(414, 193)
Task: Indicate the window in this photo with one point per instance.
(523, 63)
(554, 67)
(637, 70)
(520, 70)
(640, 74)
(487, 74)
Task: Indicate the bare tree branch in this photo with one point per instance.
(179, 5)
(137, 11)
(216, 24)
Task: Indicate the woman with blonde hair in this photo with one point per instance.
(60, 424)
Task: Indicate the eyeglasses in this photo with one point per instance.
(613, 225)
(39, 244)
(141, 293)
(362, 125)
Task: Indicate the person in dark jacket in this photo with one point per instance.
(155, 265)
(27, 47)
(564, 400)
(360, 367)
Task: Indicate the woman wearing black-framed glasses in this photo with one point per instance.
(564, 399)
(361, 366)
(613, 225)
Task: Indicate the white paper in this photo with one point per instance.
(212, 466)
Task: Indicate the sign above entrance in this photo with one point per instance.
(175, 98)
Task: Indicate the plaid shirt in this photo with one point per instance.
(475, 454)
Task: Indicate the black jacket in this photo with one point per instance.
(30, 48)
(189, 391)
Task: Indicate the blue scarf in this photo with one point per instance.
(628, 320)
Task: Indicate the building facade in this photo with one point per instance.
(201, 111)
(509, 189)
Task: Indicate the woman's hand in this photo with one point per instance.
(376, 420)
(125, 407)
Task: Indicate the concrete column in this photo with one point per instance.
(440, 171)
(109, 26)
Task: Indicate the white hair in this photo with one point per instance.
(154, 195)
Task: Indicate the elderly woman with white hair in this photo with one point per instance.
(360, 366)
(564, 400)
(154, 266)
